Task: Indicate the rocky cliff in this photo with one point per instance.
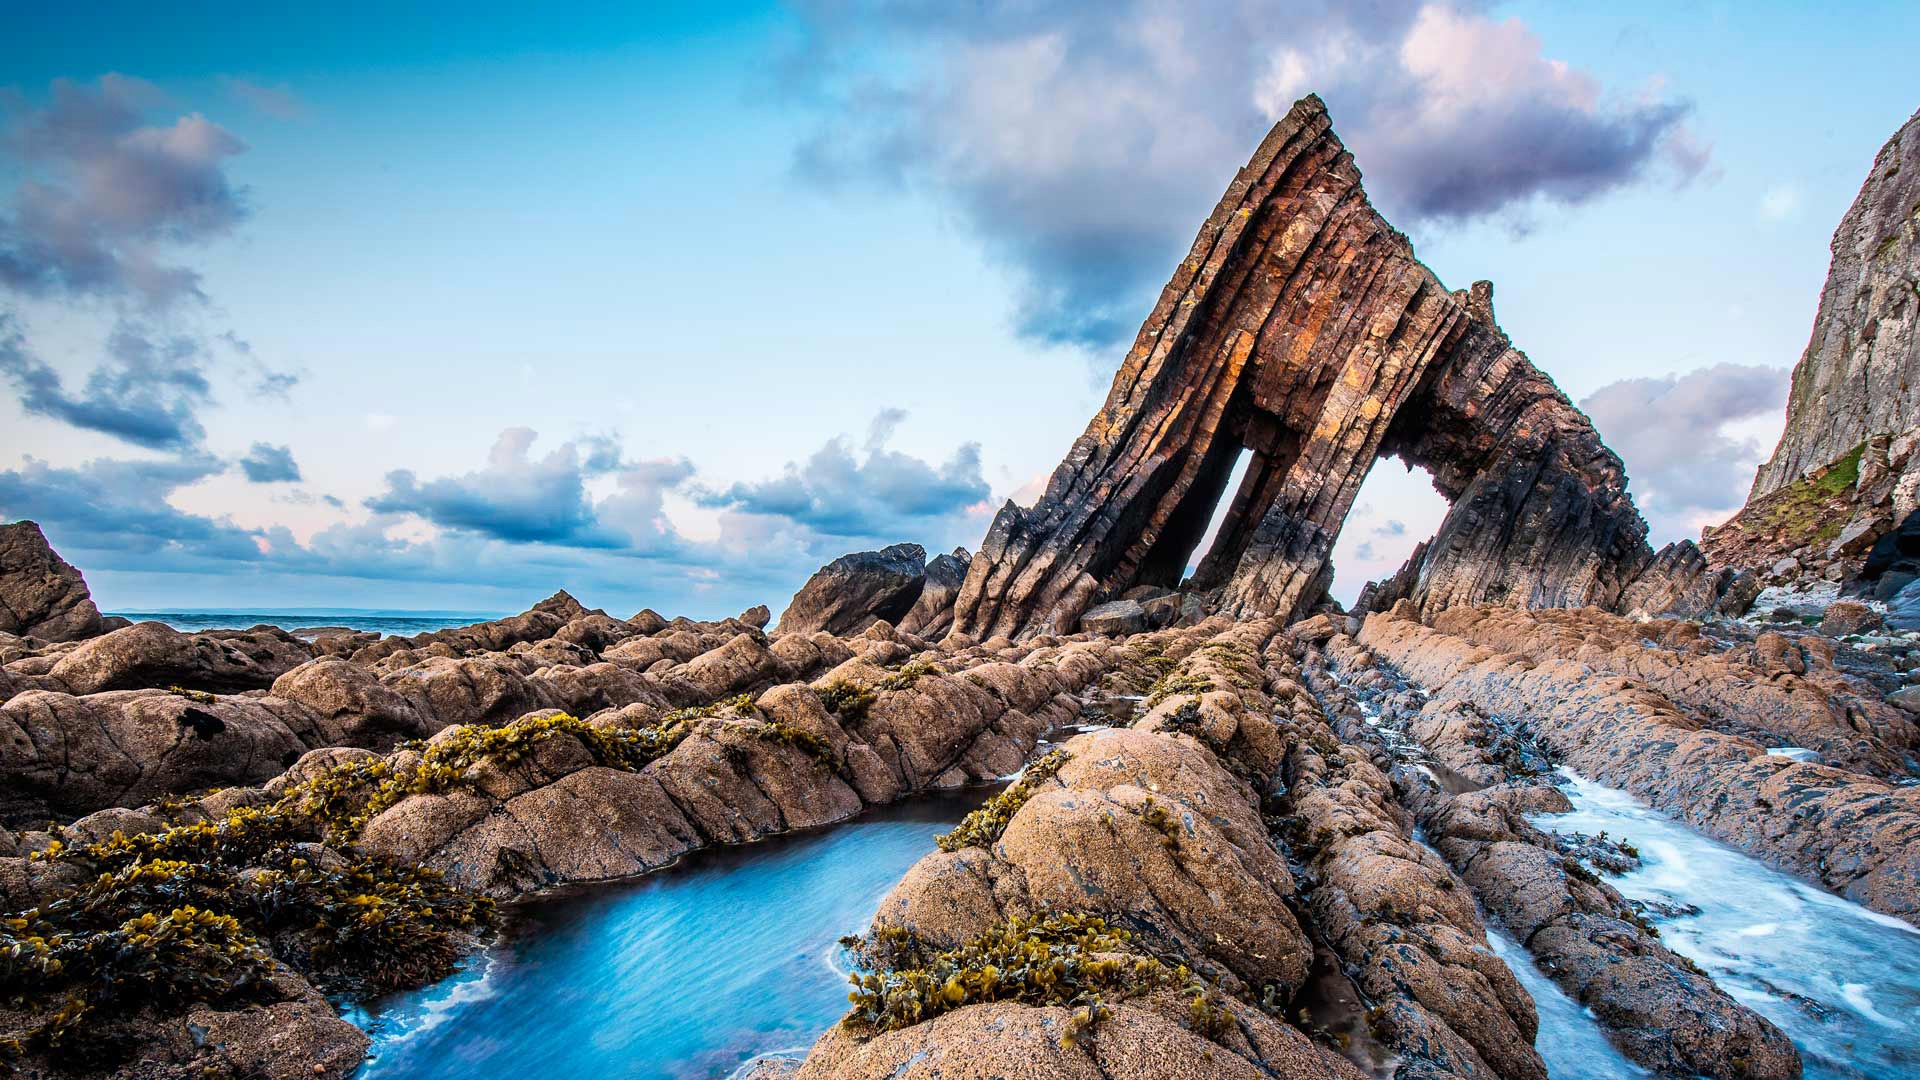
(1857, 377)
(1845, 472)
(1302, 329)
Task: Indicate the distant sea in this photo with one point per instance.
(383, 621)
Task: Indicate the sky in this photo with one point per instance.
(396, 307)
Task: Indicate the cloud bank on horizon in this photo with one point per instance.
(1078, 144)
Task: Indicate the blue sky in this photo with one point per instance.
(382, 309)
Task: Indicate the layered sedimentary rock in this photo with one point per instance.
(1754, 691)
(1302, 330)
(1860, 374)
(855, 591)
(41, 595)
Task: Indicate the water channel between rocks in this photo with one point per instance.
(1842, 981)
(684, 974)
(691, 972)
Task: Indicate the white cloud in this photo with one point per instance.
(1082, 143)
(1686, 440)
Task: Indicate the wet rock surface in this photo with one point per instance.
(1659, 1008)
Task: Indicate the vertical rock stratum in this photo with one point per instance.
(1857, 377)
(1302, 330)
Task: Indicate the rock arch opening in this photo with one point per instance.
(1222, 511)
(1302, 334)
(1394, 518)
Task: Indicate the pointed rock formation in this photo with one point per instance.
(41, 595)
(1302, 330)
(1847, 469)
(932, 614)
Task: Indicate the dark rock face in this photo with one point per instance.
(1116, 619)
(40, 594)
(1889, 572)
(932, 614)
(855, 591)
(1680, 581)
(1857, 377)
(1302, 330)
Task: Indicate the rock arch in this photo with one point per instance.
(1302, 328)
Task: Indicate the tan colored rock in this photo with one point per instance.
(586, 690)
(62, 755)
(152, 654)
(354, 703)
(1004, 1040)
(738, 665)
(470, 690)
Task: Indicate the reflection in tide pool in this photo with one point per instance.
(1842, 981)
(686, 973)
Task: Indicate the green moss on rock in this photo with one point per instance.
(1172, 685)
(983, 826)
(1077, 961)
(849, 699)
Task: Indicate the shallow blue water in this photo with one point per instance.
(385, 622)
(683, 974)
(1842, 981)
